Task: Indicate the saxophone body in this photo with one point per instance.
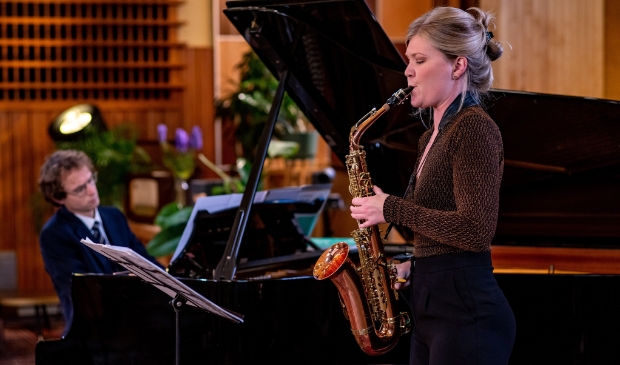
(366, 294)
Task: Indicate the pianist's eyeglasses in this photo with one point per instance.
(81, 190)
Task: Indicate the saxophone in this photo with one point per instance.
(366, 294)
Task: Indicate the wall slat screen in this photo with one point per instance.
(98, 50)
(122, 55)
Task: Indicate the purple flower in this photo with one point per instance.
(162, 132)
(181, 140)
(195, 141)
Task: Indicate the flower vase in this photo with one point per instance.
(181, 188)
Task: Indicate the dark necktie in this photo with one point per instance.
(97, 234)
(108, 266)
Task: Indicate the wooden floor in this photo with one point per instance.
(19, 339)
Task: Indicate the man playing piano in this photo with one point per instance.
(68, 180)
(460, 315)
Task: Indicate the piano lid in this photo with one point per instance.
(562, 169)
(341, 64)
(562, 153)
(548, 135)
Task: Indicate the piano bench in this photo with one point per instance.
(37, 300)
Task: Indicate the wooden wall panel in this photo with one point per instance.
(198, 101)
(22, 190)
(24, 145)
(557, 47)
(231, 49)
(551, 46)
(33, 275)
(7, 169)
(396, 15)
(612, 49)
(22, 151)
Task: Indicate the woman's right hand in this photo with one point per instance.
(403, 271)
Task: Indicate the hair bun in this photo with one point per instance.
(494, 49)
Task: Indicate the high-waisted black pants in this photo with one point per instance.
(460, 315)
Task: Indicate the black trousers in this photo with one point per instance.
(460, 315)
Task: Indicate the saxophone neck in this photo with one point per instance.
(360, 127)
(367, 120)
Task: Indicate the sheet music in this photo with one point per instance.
(159, 278)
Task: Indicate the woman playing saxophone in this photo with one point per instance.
(459, 314)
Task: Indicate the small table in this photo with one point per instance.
(35, 299)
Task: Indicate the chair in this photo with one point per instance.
(12, 297)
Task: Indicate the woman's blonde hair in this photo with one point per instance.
(455, 33)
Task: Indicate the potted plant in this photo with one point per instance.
(115, 154)
(248, 106)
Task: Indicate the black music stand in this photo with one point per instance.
(180, 293)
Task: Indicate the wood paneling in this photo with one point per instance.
(225, 27)
(558, 46)
(231, 50)
(612, 49)
(396, 15)
(24, 145)
(22, 150)
(198, 99)
(550, 46)
(567, 47)
(55, 51)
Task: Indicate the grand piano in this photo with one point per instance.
(559, 196)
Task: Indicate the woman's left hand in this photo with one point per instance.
(369, 209)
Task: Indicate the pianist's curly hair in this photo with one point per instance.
(50, 175)
(455, 33)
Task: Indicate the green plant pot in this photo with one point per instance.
(307, 143)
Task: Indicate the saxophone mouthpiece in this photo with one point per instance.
(399, 96)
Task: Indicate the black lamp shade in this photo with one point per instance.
(70, 125)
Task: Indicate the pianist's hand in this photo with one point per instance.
(369, 209)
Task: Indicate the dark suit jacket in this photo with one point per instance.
(64, 254)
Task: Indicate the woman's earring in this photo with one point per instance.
(454, 77)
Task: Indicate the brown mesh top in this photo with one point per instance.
(455, 200)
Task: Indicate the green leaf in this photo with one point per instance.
(286, 149)
(180, 217)
(171, 215)
(166, 241)
(248, 106)
(172, 221)
(165, 212)
(244, 169)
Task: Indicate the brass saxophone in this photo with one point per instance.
(366, 294)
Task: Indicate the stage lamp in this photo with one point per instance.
(70, 125)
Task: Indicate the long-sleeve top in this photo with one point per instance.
(453, 204)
